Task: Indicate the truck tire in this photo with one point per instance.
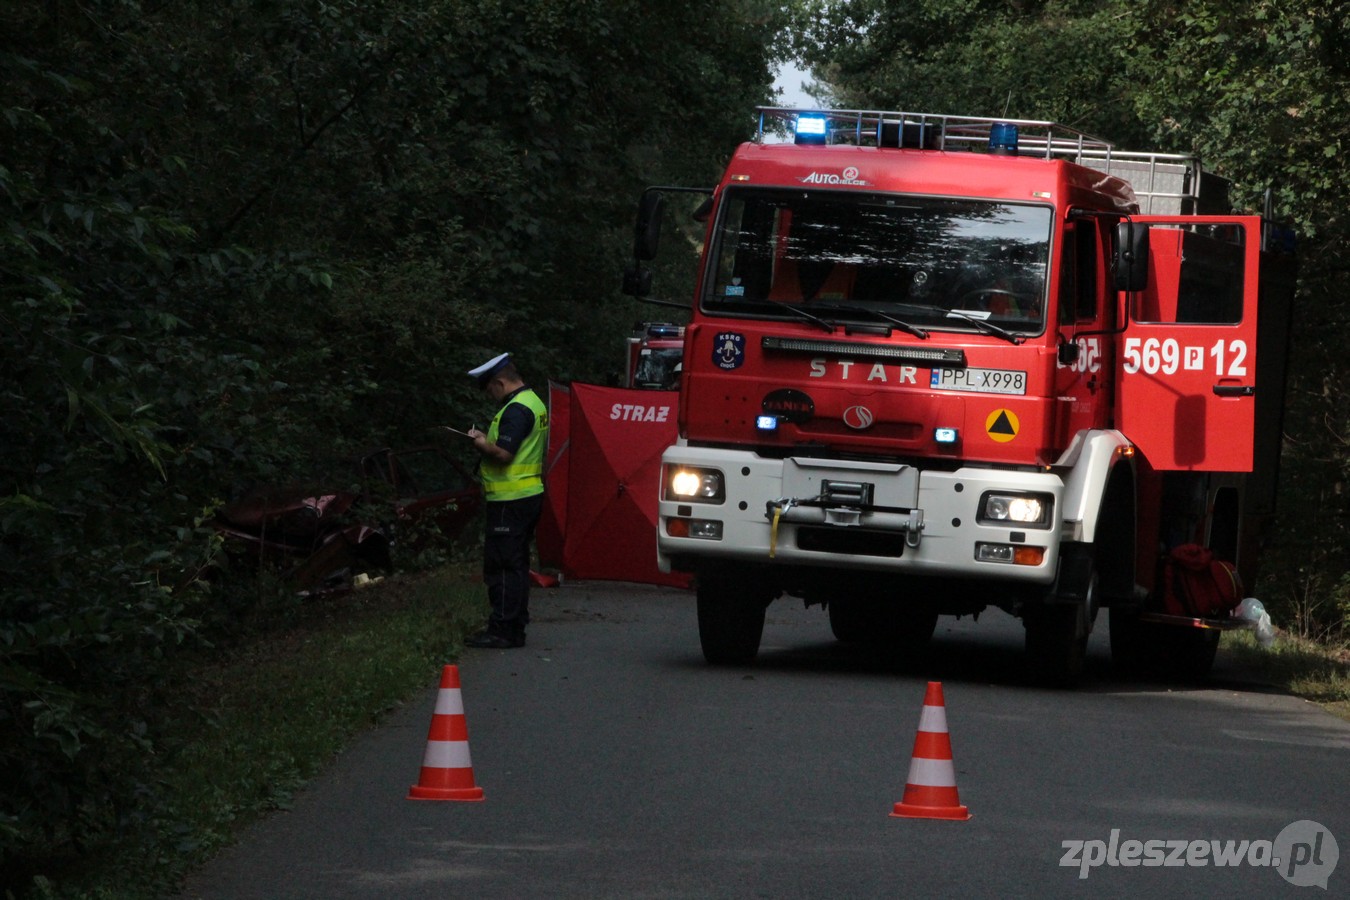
(1054, 648)
(1193, 651)
(849, 621)
(1157, 650)
(1131, 652)
(730, 620)
(1058, 627)
(906, 628)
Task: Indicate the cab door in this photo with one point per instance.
(1186, 359)
(1084, 397)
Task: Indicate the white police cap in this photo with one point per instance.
(490, 368)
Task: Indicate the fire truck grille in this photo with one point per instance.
(857, 541)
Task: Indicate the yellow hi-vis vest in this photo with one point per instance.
(523, 476)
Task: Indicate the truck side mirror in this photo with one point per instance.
(647, 229)
(1131, 263)
(1067, 352)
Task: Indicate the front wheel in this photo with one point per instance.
(1055, 648)
(730, 621)
(1059, 626)
(849, 621)
(1131, 651)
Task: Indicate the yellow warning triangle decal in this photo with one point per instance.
(1001, 425)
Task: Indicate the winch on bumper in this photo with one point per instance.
(737, 506)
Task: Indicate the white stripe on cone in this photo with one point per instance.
(932, 772)
(449, 702)
(447, 755)
(933, 719)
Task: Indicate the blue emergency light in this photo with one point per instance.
(1003, 138)
(766, 423)
(945, 435)
(813, 130)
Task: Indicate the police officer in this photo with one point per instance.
(512, 469)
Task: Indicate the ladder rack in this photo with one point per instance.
(1164, 183)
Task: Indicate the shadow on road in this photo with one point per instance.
(797, 640)
(964, 651)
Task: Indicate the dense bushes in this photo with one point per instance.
(239, 237)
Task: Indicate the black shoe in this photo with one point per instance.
(490, 640)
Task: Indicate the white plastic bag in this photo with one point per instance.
(1253, 612)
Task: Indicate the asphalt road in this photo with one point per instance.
(615, 763)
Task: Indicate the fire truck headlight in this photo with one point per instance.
(696, 485)
(1021, 509)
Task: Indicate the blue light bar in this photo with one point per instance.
(812, 129)
(766, 423)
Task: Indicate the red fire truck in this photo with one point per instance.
(941, 363)
(655, 353)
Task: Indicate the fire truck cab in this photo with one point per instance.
(940, 363)
(655, 353)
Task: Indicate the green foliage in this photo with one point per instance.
(240, 239)
(1051, 60)
(1259, 93)
(1304, 668)
(251, 726)
(99, 553)
(244, 238)
(284, 703)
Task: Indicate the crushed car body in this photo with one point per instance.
(320, 535)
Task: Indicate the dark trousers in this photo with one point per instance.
(506, 562)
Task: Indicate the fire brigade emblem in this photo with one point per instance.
(728, 350)
(858, 418)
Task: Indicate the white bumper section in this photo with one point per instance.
(884, 517)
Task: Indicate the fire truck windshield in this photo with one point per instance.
(935, 263)
(659, 368)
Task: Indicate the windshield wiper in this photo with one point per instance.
(864, 311)
(759, 305)
(988, 327)
(981, 324)
(810, 317)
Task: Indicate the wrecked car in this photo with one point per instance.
(321, 536)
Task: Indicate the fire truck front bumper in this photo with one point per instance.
(735, 506)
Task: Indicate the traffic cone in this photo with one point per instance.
(543, 579)
(930, 791)
(447, 771)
